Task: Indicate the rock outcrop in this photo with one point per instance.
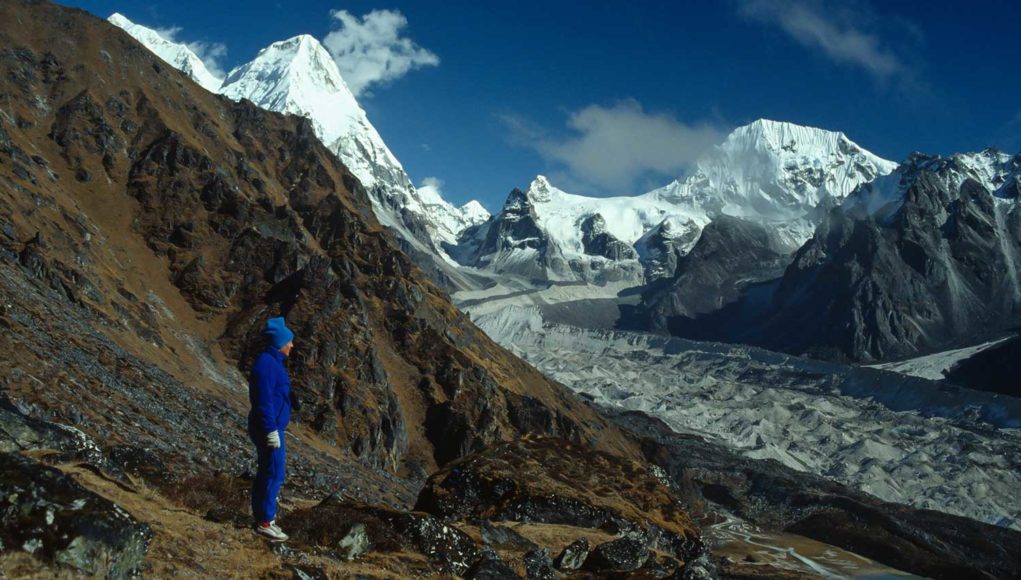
(328, 526)
(923, 259)
(551, 481)
(598, 241)
(730, 255)
(50, 516)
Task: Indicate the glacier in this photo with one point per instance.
(902, 439)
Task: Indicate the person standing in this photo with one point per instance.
(269, 391)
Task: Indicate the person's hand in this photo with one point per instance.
(273, 439)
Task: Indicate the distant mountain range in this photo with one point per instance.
(786, 236)
(779, 174)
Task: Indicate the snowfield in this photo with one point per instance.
(932, 366)
(900, 438)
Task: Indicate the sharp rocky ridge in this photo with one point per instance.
(177, 54)
(298, 76)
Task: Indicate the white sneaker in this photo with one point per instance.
(271, 531)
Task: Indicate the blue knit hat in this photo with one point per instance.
(277, 333)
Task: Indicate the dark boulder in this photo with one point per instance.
(354, 543)
(504, 537)
(539, 565)
(51, 516)
(700, 568)
(20, 431)
(491, 566)
(622, 555)
(573, 556)
(450, 550)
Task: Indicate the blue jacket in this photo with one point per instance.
(269, 391)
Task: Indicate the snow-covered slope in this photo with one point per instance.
(177, 55)
(547, 233)
(298, 76)
(626, 218)
(935, 366)
(779, 174)
(775, 171)
(996, 171)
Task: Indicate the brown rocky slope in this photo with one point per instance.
(173, 222)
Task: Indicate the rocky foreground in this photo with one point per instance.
(148, 228)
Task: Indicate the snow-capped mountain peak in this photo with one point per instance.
(474, 213)
(775, 171)
(299, 76)
(769, 172)
(176, 54)
(541, 190)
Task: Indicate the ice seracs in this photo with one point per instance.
(177, 55)
(882, 433)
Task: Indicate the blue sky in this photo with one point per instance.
(619, 97)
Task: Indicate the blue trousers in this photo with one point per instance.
(268, 478)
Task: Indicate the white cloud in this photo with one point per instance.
(431, 190)
(211, 53)
(839, 32)
(370, 50)
(618, 149)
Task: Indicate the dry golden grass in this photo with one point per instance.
(187, 545)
